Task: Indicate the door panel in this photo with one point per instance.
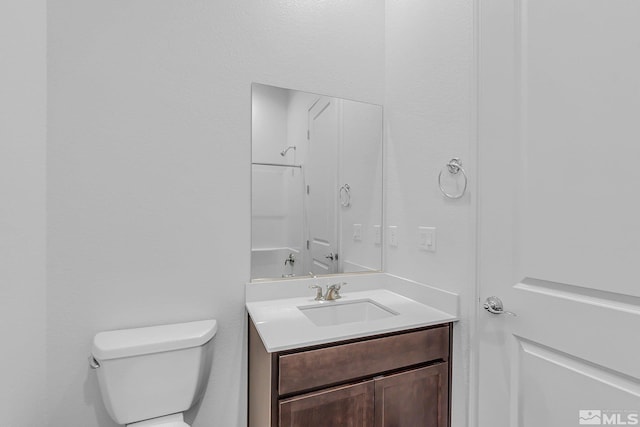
(350, 405)
(559, 385)
(321, 178)
(559, 102)
(580, 102)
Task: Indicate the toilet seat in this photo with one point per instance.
(174, 420)
(163, 424)
(171, 424)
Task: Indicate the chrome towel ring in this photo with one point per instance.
(345, 195)
(455, 167)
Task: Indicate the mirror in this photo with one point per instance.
(316, 184)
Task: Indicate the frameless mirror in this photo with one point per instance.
(316, 184)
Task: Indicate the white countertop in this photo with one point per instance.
(282, 326)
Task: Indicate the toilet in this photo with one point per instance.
(149, 376)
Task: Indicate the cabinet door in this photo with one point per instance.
(413, 398)
(349, 406)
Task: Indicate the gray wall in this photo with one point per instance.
(22, 211)
(148, 167)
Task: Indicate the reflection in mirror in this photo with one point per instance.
(316, 184)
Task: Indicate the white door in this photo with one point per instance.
(559, 212)
(321, 174)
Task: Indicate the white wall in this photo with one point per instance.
(149, 151)
(22, 211)
(429, 120)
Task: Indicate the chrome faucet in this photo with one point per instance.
(332, 294)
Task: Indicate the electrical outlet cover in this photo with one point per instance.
(393, 235)
(427, 238)
(357, 232)
(377, 234)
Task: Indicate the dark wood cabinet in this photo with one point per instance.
(350, 405)
(390, 380)
(419, 397)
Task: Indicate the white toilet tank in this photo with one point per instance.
(155, 371)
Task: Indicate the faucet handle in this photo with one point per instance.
(340, 285)
(333, 291)
(318, 289)
(291, 259)
(337, 286)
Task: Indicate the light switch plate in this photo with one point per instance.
(427, 238)
(357, 232)
(393, 235)
(377, 234)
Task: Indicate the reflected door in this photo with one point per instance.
(321, 169)
(559, 236)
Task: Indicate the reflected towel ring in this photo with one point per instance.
(455, 167)
(345, 196)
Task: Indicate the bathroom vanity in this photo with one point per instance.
(375, 357)
(376, 381)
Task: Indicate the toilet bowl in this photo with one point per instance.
(149, 376)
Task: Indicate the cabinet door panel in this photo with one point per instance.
(419, 397)
(348, 406)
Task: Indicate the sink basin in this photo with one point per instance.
(338, 313)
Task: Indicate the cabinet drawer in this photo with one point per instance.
(340, 363)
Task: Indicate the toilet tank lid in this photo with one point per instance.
(153, 339)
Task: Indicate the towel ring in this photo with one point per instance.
(345, 195)
(455, 167)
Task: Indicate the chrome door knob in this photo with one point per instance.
(331, 256)
(494, 305)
